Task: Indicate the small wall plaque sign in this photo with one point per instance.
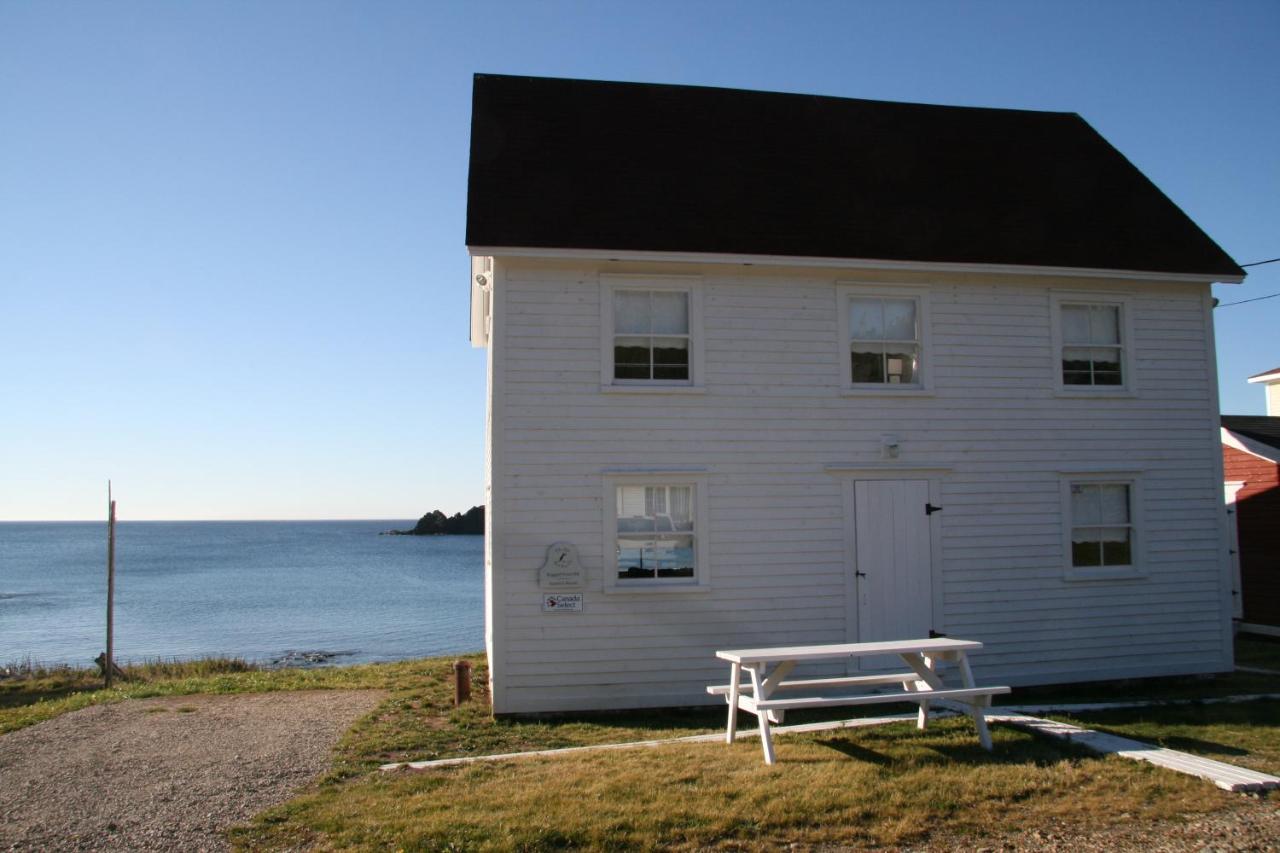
(561, 569)
(562, 603)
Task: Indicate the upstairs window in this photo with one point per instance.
(884, 336)
(655, 534)
(1092, 345)
(651, 339)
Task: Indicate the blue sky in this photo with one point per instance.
(232, 272)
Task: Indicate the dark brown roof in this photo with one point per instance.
(1258, 427)
(1265, 373)
(581, 164)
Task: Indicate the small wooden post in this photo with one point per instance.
(109, 664)
(461, 681)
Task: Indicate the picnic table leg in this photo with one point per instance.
(758, 689)
(922, 717)
(735, 677)
(977, 707)
(925, 668)
(780, 671)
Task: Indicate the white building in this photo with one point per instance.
(786, 369)
(1270, 380)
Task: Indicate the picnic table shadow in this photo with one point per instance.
(1178, 742)
(695, 720)
(1023, 750)
(1204, 747)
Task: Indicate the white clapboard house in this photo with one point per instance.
(775, 369)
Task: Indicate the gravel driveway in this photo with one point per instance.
(165, 774)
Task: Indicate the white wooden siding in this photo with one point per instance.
(772, 416)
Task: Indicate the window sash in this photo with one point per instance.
(664, 549)
(1096, 334)
(884, 363)
(1102, 534)
(909, 352)
(1079, 354)
(651, 366)
(638, 352)
(656, 557)
(1091, 547)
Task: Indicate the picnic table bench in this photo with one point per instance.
(920, 682)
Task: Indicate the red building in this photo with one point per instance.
(1251, 468)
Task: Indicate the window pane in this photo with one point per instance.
(670, 358)
(655, 500)
(648, 558)
(632, 562)
(627, 371)
(670, 313)
(901, 363)
(631, 358)
(1116, 547)
(682, 508)
(1076, 366)
(1106, 365)
(632, 510)
(1075, 324)
(899, 319)
(630, 312)
(673, 557)
(866, 319)
(1114, 504)
(1085, 547)
(1104, 324)
(868, 362)
(1086, 506)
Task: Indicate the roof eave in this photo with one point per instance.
(1250, 445)
(847, 263)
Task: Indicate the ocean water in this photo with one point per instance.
(251, 589)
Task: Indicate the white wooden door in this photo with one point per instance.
(893, 562)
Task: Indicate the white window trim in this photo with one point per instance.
(1058, 298)
(691, 284)
(1137, 570)
(924, 387)
(701, 551)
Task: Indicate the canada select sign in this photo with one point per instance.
(562, 603)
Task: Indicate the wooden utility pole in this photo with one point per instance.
(109, 664)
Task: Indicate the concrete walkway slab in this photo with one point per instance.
(1225, 776)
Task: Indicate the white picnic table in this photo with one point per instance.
(921, 683)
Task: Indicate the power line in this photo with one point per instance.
(1256, 298)
(1243, 301)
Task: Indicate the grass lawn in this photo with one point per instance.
(47, 693)
(855, 787)
(876, 786)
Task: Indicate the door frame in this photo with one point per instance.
(848, 476)
(1231, 491)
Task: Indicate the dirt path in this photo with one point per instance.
(165, 774)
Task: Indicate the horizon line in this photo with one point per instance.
(122, 520)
